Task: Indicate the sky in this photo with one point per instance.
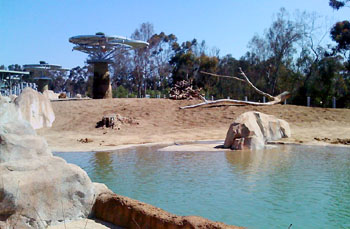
(31, 31)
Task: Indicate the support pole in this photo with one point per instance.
(102, 88)
(43, 85)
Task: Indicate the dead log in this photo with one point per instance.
(274, 99)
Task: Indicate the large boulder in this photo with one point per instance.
(35, 108)
(252, 130)
(36, 188)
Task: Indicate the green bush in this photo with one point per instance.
(120, 92)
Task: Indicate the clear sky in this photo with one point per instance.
(31, 31)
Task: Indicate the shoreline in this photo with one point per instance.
(200, 142)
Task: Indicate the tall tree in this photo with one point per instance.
(161, 52)
(276, 48)
(122, 68)
(142, 69)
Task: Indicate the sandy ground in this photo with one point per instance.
(161, 120)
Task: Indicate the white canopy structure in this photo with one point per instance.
(100, 47)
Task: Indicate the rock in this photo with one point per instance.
(62, 95)
(36, 188)
(11, 121)
(101, 188)
(78, 96)
(51, 95)
(252, 130)
(5, 99)
(128, 213)
(15, 147)
(13, 98)
(35, 108)
(43, 191)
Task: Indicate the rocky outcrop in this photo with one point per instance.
(51, 95)
(252, 130)
(4, 99)
(35, 108)
(36, 188)
(13, 98)
(129, 213)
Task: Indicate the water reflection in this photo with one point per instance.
(103, 164)
(259, 161)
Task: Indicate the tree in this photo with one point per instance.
(77, 81)
(337, 4)
(276, 48)
(161, 52)
(340, 33)
(121, 68)
(142, 68)
(15, 67)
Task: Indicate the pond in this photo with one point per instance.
(308, 187)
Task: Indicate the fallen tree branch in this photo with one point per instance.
(278, 99)
(255, 88)
(245, 80)
(274, 99)
(223, 76)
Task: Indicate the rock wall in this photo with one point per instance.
(36, 188)
(252, 130)
(129, 213)
(35, 108)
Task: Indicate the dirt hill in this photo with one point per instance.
(161, 120)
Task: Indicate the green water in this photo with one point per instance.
(308, 187)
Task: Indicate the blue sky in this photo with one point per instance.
(39, 30)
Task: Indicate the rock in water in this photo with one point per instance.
(252, 130)
(35, 108)
(36, 188)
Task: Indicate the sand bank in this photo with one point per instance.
(161, 121)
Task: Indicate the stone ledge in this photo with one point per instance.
(128, 213)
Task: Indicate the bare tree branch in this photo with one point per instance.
(231, 77)
(245, 80)
(255, 88)
(275, 99)
(278, 99)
